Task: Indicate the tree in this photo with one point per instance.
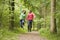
(11, 8)
(53, 19)
(2, 2)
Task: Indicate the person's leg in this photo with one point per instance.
(21, 24)
(30, 25)
(28, 28)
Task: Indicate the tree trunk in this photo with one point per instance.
(53, 19)
(0, 19)
(1, 11)
(11, 8)
(44, 12)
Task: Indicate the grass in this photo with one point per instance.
(6, 34)
(45, 32)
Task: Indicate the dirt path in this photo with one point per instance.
(31, 36)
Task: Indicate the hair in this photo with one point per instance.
(30, 11)
(24, 11)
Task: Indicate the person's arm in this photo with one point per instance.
(27, 17)
(34, 15)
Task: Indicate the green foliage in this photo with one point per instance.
(7, 35)
(19, 30)
(45, 32)
(35, 6)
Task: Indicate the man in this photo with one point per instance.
(22, 18)
(30, 18)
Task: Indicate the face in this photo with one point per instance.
(30, 11)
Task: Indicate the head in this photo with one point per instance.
(24, 11)
(30, 11)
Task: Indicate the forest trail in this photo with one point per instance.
(34, 35)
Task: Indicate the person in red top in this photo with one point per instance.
(30, 18)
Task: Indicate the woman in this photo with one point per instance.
(30, 18)
(22, 18)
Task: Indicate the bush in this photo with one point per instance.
(6, 34)
(45, 32)
(19, 30)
